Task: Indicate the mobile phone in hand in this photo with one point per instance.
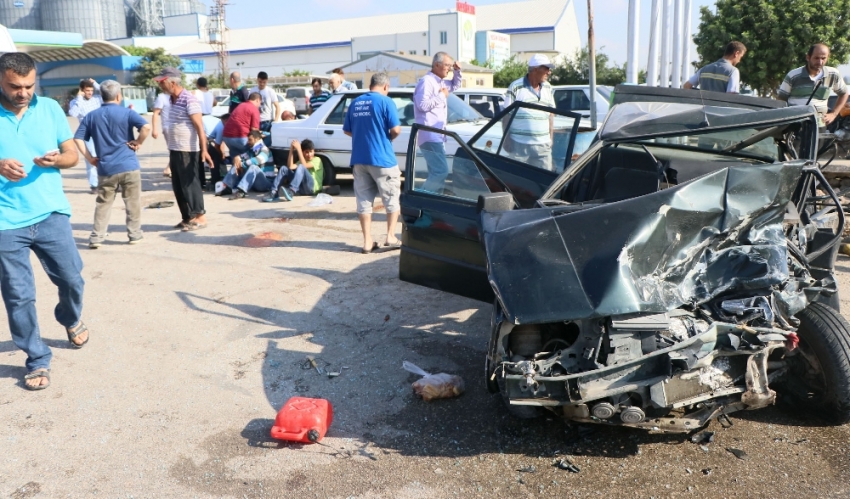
(50, 153)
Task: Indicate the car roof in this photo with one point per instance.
(495, 91)
(635, 93)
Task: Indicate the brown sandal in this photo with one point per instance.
(38, 373)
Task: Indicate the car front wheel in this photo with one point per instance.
(329, 175)
(822, 364)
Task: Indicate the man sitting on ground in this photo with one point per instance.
(305, 178)
(247, 171)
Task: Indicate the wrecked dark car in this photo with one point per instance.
(680, 269)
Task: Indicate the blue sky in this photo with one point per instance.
(611, 16)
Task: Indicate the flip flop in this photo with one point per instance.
(392, 246)
(373, 248)
(81, 328)
(181, 224)
(38, 373)
(191, 226)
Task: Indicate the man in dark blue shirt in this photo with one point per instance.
(372, 123)
(111, 130)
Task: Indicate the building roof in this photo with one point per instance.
(47, 46)
(528, 16)
(391, 60)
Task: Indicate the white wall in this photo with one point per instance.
(532, 42)
(447, 22)
(316, 61)
(415, 43)
(188, 24)
(567, 37)
(152, 42)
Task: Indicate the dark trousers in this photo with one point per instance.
(185, 183)
(217, 166)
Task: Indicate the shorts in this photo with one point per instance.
(371, 181)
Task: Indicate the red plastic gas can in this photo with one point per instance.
(303, 419)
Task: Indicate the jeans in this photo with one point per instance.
(252, 178)
(438, 167)
(53, 243)
(236, 145)
(131, 190)
(299, 180)
(185, 183)
(91, 170)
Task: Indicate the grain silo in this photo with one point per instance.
(114, 19)
(20, 14)
(73, 16)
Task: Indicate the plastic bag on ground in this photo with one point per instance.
(434, 386)
(321, 200)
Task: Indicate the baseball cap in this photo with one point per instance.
(540, 60)
(168, 72)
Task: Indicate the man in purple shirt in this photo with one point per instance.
(430, 105)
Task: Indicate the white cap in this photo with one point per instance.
(540, 60)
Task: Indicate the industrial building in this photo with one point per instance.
(518, 28)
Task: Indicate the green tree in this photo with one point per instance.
(151, 65)
(297, 72)
(136, 51)
(777, 34)
(511, 70)
(575, 70)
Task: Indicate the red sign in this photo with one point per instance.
(466, 8)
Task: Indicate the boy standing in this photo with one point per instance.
(305, 178)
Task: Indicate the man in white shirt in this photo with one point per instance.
(202, 93)
(269, 108)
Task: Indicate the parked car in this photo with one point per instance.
(221, 105)
(300, 96)
(680, 269)
(487, 101)
(324, 128)
(576, 98)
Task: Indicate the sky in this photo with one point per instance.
(610, 17)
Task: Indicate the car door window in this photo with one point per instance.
(404, 107)
(337, 116)
(572, 100)
(483, 104)
(532, 135)
(446, 169)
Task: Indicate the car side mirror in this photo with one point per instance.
(496, 201)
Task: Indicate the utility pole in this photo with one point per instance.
(218, 34)
(591, 55)
(677, 45)
(634, 24)
(654, 44)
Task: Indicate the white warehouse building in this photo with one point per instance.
(532, 26)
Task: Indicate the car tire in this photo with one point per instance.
(823, 364)
(329, 177)
(517, 411)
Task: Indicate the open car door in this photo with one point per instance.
(440, 235)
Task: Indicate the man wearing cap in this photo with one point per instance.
(529, 138)
(431, 108)
(184, 133)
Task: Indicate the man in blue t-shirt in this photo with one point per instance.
(35, 214)
(372, 123)
(111, 130)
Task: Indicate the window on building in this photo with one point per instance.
(424, 52)
(444, 37)
(479, 82)
(412, 52)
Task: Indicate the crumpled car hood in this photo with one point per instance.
(687, 244)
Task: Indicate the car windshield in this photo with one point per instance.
(461, 112)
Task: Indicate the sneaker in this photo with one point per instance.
(237, 194)
(285, 193)
(271, 199)
(136, 241)
(94, 245)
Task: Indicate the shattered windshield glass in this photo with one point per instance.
(724, 141)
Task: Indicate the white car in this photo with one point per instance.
(300, 96)
(487, 101)
(576, 98)
(221, 106)
(324, 128)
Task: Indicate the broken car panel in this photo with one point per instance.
(679, 269)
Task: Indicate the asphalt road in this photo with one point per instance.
(199, 338)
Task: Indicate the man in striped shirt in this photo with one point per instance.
(800, 85)
(721, 75)
(319, 97)
(183, 129)
(529, 138)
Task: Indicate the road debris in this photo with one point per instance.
(303, 419)
(434, 386)
(705, 437)
(566, 464)
(528, 469)
(738, 453)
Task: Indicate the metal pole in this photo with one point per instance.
(591, 55)
(634, 36)
(677, 44)
(652, 64)
(687, 69)
(665, 45)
